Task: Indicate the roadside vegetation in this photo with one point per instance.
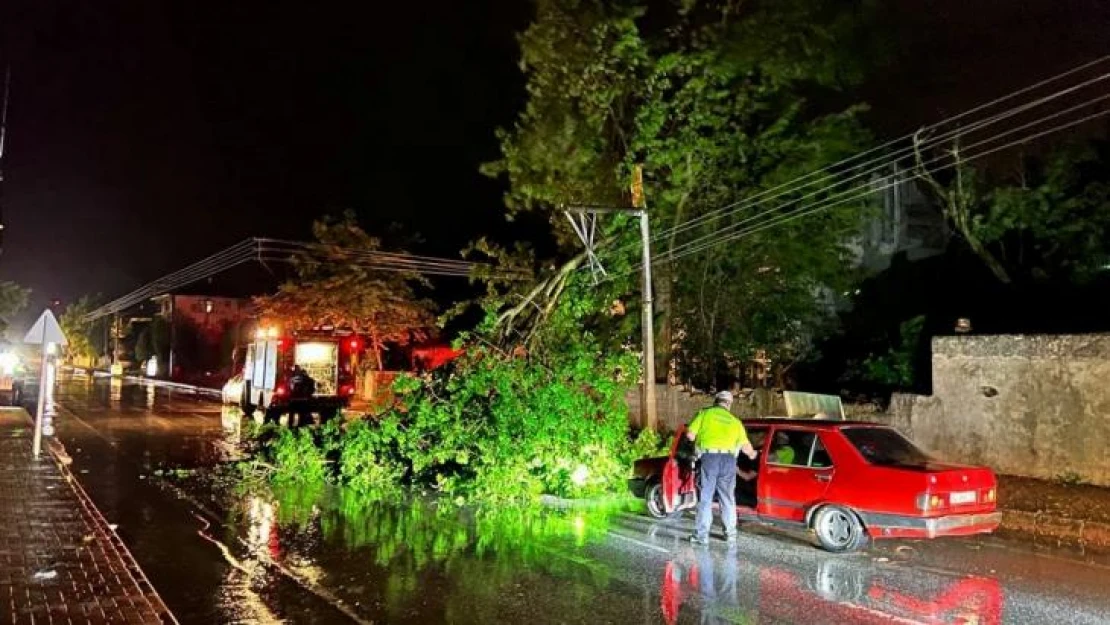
(717, 105)
(496, 426)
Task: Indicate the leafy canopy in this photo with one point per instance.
(718, 101)
(331, 289)
(13, 299)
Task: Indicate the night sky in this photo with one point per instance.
(145, 134)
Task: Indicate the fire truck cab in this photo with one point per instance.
(268, 368)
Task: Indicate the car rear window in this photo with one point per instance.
(885, 447)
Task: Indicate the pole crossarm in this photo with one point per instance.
(586, 230)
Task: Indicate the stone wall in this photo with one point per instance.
(1037, 406)
(676, 406)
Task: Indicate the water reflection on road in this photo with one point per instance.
(422, 562)
(219, 553)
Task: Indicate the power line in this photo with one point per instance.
(883, 161)
(980, 143)
(275, 250)
(808, 210)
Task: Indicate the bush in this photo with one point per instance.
(368, 460)
(542, 415)
(502, 428)
(299, 455)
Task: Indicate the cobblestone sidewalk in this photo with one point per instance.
(60, 562)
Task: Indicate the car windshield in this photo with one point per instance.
(885, 447)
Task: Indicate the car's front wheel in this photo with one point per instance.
(838, 529)
(655, 505)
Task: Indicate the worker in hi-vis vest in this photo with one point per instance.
(719, 437)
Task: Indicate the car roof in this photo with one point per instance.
(820, 424)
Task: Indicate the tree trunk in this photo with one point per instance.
(957, 203)
(987, 257)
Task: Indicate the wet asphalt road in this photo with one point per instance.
(311, 562)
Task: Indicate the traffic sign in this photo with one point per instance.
(48, 333)
(46, 330)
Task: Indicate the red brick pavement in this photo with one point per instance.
(60, 562)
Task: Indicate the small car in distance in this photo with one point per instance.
(844, 481)
(12, 374)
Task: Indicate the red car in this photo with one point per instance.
(839, 595)
(845, 481)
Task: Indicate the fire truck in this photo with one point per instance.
(265, 384)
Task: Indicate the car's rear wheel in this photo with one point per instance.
(838, 529)
(655, 505)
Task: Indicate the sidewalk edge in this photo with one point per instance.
(1062, 531)
(62, 460)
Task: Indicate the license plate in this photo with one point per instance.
(967, 496)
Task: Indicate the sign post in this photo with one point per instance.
(47, 333)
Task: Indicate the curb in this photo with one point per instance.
(57, 453)
(133, 569)
(1056, 530)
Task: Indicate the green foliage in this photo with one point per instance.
(368, 460)
(718, 102)
(13, 299)
(497, 426)
(895, 368)
(299, 455)
(648, 444)
(501, 428)
(1054, 223)
(332, 290)
(85, 338)
(1050, 222)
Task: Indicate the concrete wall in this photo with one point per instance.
(1037, 406)
(676, 406)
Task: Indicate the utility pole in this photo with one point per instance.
(3, 138)
(647, 321)
(173, 332)
(649, 418)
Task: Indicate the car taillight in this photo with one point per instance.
(925, 501)
(347, 390)
(989, 496)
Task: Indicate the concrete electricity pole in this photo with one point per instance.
(647, 320)
(649, 418)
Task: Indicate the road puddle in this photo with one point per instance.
(416, 561)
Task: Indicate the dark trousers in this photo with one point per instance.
(717, 474)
